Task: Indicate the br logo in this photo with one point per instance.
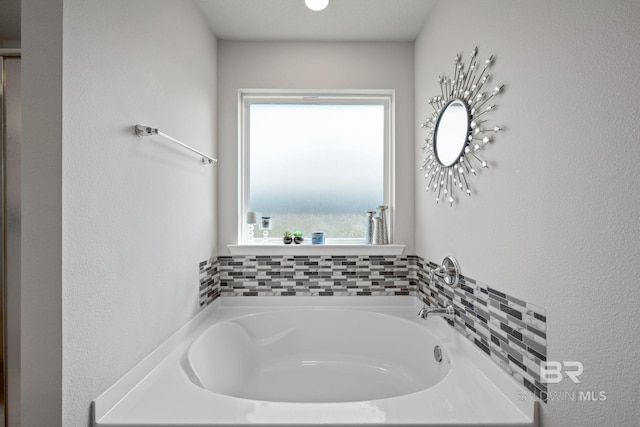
(551, 371)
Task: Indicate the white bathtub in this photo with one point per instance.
(351, 361)
(314, 356)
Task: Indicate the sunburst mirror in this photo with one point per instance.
(458, 128)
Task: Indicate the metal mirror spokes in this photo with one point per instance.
(457, 129)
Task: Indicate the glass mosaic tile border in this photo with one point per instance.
(209, 288)
(316, 275)
(510, 331)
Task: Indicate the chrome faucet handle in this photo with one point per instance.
(449, 272)
(438, 271)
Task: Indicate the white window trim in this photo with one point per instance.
(246, 97)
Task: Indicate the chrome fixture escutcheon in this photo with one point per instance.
(449, 272)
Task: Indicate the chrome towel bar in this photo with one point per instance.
(148, 131)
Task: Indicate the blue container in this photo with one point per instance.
(317, 238)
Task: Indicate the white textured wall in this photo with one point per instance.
(138, 214)
(310, 65)
(555, 221)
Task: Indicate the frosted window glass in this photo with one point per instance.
(316, 167)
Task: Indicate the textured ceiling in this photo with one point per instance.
(342, 20)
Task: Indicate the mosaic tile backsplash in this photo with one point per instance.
(209, 281)
(316, 275)
(510, 331)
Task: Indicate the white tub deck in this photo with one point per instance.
(158, 391)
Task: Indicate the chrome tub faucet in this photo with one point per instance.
(447, 312)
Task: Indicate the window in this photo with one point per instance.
(315, 161)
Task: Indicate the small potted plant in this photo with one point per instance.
(297, 237)
(287, 238)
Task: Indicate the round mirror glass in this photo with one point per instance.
(452, 129)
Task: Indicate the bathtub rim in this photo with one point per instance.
(108, 399)
(184, 336)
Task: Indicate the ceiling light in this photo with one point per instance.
(316, 4)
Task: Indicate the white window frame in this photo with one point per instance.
(247, 97)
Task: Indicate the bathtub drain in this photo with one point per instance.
(437, 353)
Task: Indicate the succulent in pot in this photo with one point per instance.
(287, 238)
(297, 237)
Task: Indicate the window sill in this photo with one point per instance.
(306, 249)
